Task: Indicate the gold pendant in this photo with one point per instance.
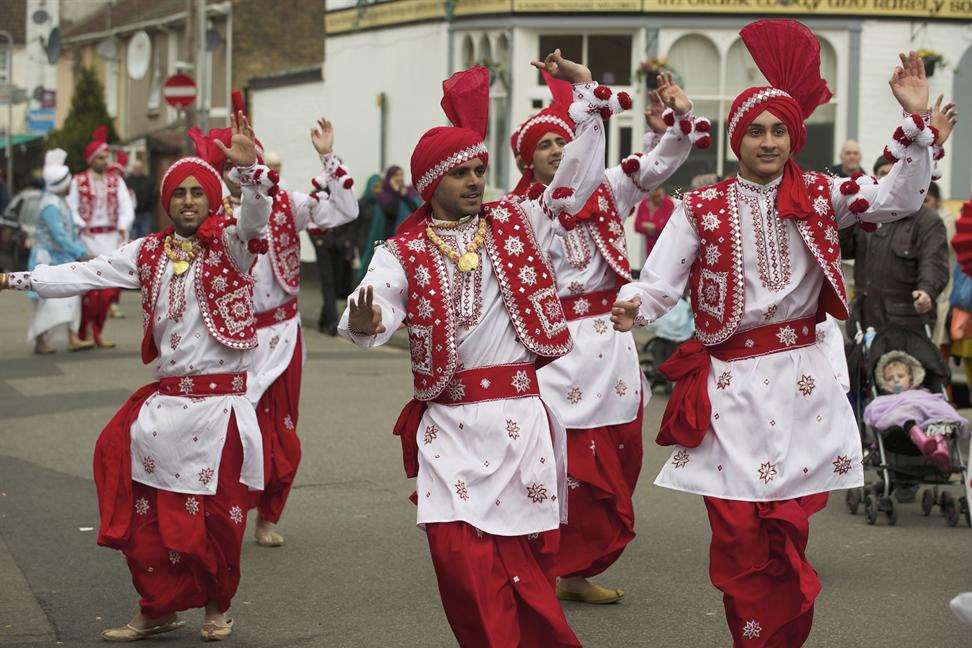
(180, 267)
(468, 261)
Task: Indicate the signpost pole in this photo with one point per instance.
(8, 148)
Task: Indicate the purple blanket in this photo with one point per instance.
(918, 405)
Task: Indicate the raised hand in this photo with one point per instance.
(909, 85)
(943, 119)
(364, 317)
(242, 152)
(563, 69)
(653, 113)
(623, 314)
(672, 94)
(322, 136)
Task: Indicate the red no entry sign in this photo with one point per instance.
(179, 90)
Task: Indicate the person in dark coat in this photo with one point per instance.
(899, 269)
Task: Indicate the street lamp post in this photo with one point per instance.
(8, 147)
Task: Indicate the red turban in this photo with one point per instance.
(465, 101)
(97, 144)
(199, 169)
(206, 144)
(552, 119)
(788, 55)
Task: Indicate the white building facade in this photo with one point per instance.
(403, 49)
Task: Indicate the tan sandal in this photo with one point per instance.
(128, 632)
(594, 595)
(212, 631)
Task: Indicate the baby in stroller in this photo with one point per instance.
(929, 418)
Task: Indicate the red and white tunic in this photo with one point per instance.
(103, 209)
(600, 383)
(498, 465)
(177, 442)
(277, 274)
(781, 425)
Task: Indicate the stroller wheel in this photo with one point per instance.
(964, 510)
(951, 510)
(942, 501)
(870, 509)
(887, 503)
(853, 500)
(927, 502)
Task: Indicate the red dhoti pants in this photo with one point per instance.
(182, 550)
(603, 464)
(277, 416)
(94, 310)
(758, 560)
(494, 592)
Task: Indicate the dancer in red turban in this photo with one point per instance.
(175, 466)
(472, 284)
(760, 424)
(103, 209)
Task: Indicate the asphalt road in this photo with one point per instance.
(355, 570)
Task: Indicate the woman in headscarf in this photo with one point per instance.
(56, 241)
(371, 221)
(396, 199)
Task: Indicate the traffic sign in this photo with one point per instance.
(179, 90)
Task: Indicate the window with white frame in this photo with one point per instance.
(712, 77)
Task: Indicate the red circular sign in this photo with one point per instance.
(179, 90)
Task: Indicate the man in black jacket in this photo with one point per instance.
(899, 269)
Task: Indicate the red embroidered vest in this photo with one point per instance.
(87, 198)
(526, 282)
(223, 293)
(716, 278)
(606, 227)
(284, 244)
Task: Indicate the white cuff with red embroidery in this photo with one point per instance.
(334, 171)
(913, 134)
(591, 99)
(18, 280)
(257, 176)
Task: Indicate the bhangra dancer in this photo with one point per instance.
(597, 389)
(104, 211)
(273, 383)
(175, 466)
(760, 423)
(473, 285)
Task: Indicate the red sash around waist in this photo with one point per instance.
(200, 385)
(101, 229)
(589, 304)
(281, 313)
(688, 414)
(498, 382)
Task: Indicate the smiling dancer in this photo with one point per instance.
(760, 422)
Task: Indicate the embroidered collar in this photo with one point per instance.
(756, 189)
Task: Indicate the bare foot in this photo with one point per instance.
(266, 534)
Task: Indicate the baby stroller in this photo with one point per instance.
(668, 332)
(901, 467)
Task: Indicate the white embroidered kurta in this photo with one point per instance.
(277, 343)
(781, 426)
(497, 465)
(105, 242)
(177, 442)
(600, 381)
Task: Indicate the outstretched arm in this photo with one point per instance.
(115, 270)
(672, 130)
(257, 183)
(332, 203)
(911, 149)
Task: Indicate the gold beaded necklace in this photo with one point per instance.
(467, 261)
(181, 252)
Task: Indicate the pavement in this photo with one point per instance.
(355, 571)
